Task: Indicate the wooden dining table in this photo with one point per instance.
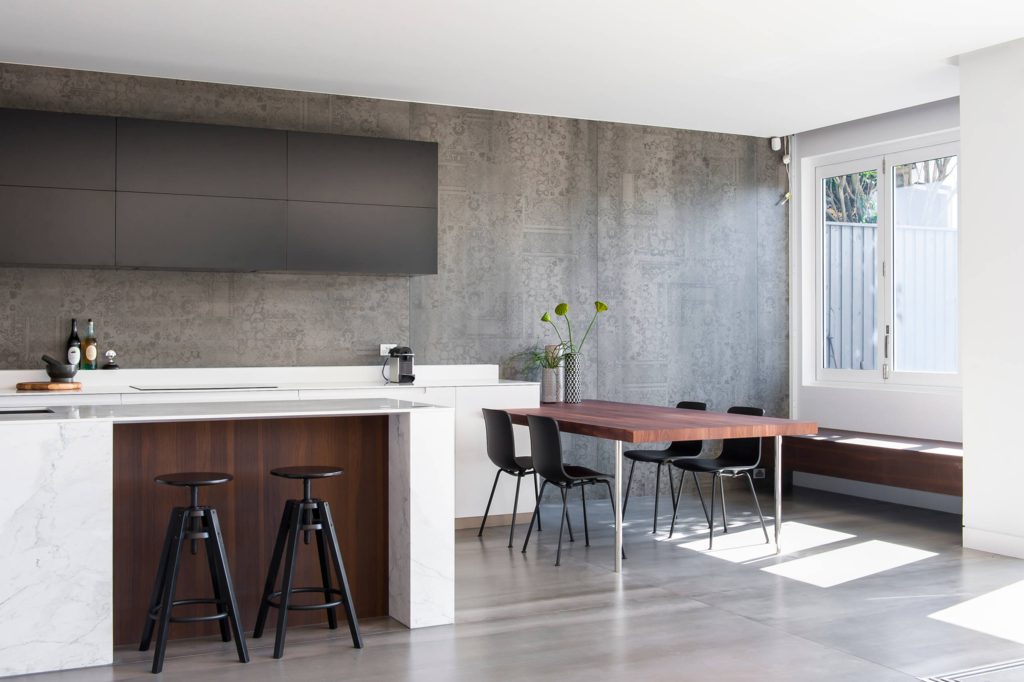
(630, 423)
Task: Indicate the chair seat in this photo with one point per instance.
(526, 463)
(307, 472)
(711, 465)
(190, 478)
(654, 456)
(583, 472)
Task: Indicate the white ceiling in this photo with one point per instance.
(755, 67)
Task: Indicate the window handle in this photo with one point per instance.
(886, 342)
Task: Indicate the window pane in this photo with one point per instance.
(925, 265)
(850, 236)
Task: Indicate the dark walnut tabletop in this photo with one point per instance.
(649, 424)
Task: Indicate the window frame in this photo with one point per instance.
(882, 161)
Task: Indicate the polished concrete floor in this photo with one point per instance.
(853, 598)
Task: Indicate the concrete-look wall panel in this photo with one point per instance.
(676, 230)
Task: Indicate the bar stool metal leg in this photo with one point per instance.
(275, 563)
(211, 555)
(325, 571)
(227, 586)
(339, 568)
(158, 585)
(179, 523)
(288, 579)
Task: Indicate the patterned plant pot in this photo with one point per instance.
(573, 368)
(551, 385)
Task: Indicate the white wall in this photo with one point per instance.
(898, 411)
(992, 144)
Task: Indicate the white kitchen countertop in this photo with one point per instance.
(126, 386)
(175, 412)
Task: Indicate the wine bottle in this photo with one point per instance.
(74, 344)
(89, 349)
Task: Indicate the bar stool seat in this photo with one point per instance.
(307, 515)
(307, 472)
(193, 523)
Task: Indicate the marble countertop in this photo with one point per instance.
(253, 379)
(174, 412)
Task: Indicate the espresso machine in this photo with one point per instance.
(400, 365)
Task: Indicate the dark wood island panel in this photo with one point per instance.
(249, 509)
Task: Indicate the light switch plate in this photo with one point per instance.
(386, 347)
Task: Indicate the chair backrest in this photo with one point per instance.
(689, 448)
(743, 451)
(501, 444)
(546, 449)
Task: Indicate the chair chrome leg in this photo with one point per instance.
(558, 555)
(700, 494)
(657, 487)
(489, 499)
(675, 505)
(711, 524)
(515, 508)
(537, 495)
(586, 530)
(536, 517)
(629, 484)
(725, 521)
(757, 505)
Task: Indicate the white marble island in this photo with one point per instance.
(57, 517)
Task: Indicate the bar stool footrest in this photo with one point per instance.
(155, 613)
(308, 607)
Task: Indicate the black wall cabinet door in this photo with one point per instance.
(206, 160)
(45, 226)
(361, 170)
(358, 238)
(43, 149)
(215, 233)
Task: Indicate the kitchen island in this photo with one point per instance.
(79, 512)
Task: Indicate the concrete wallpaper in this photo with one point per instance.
(676, 230)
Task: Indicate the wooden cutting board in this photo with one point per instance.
(48, 386)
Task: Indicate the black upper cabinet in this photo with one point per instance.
(361, 170)
(325, 237)
(214, 233)
(44, 149)
(48, 226)
(205, 160)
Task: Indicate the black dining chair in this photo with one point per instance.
(739, 456)
(546, 447)
(676, 450)
(501, 450)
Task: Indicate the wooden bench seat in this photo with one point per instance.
(915, 464)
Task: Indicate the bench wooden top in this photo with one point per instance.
(649, 424)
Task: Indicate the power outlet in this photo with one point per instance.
(385, 348)
(758, 473)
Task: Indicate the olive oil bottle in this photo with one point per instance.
(89, 349)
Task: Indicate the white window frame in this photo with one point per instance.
(882, 160)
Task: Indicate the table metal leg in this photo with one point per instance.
(778, 494)
(618, 506)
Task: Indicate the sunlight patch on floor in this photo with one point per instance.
(848, 563)
(997, 613)
(749, 545)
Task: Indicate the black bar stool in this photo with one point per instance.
(192, 523)
(307, 514)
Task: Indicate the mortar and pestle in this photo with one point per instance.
(60, 372)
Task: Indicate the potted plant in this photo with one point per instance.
(572, 354)
(548, 360)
